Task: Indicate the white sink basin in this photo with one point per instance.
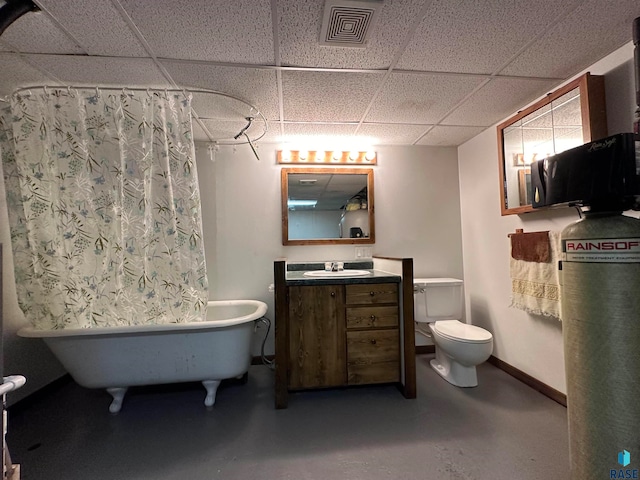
(340, 274)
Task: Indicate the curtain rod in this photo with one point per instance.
(133, 89)
(97, 88)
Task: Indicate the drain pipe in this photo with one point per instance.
(269, 363)
(421, 327)
(424, 331)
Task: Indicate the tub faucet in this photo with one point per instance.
(337, 266)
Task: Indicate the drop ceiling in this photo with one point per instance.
(432, 72)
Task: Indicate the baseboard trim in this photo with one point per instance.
(425, 349)
(527, 379)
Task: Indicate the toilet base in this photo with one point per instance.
(453, 372)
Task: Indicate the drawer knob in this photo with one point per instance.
(372, 293)
(373, 318)
(373, 342)
(333, 294)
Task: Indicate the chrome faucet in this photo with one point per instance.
(337, 266)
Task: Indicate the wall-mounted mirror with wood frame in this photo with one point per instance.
(568, 117)
(327, 206)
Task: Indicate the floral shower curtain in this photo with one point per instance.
(104, 207)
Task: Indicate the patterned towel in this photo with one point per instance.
(535, 286)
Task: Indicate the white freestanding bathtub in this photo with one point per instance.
(116, 358)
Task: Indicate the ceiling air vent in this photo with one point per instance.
(348, 23)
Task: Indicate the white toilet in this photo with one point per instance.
(459, 346)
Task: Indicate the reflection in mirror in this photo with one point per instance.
(567, 118)
(551, 129)
(327, 206)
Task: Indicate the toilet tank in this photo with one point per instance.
(442, 298)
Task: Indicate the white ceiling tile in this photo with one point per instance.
(237, 31)
(97, 26)
(417, 98)
(16, 73)
(327, 96)
(272, 136)
(498, 99)
(447, 136)
(477, 37)
(35, 32)
(293, 131)
(592, 31)
(299, 29)
(392, 133)
(84, 70)
(256, 86)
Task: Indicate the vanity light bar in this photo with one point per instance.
(326, 157)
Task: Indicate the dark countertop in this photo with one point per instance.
(350, 264)
(297, 278)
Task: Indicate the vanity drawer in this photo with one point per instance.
(372, 293)
(372, 317)
(373, 356)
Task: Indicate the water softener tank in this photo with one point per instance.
(600, 291)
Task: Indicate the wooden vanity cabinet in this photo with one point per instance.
(343, 335)
(343, 332)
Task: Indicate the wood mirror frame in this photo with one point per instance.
(328, 171)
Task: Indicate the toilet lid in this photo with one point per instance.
(462, 332)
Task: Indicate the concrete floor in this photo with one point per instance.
(501, 429)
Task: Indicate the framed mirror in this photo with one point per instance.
(327, 206)
(569, 117)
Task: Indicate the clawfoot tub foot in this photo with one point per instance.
(118, 394)
(212, 387)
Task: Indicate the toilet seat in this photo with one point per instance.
(461, 332)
